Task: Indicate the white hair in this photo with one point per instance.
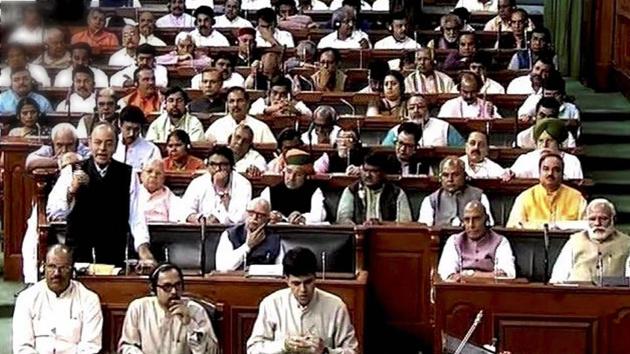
(181, 36)
(258, 200)
(151, 161)
(602, 201)
(62, 128)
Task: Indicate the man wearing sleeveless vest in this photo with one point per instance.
(600, 245)
(478, 251)
(445, 206)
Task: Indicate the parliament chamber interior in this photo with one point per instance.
(315, 176)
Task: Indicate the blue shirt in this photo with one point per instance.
(9, 101)
(454, 138)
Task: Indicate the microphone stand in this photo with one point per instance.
(472, 328)
(202, 256)
(324, 265)
(546, 254)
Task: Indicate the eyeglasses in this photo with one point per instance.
(169, 287)
(102, 104)
(52, 268)
(218, 164)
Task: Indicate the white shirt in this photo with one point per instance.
(229, 259)
(258, 107)
(78, 104)
(168, 20)
(235, 79)
(283, 37)
(567, 110)
(332, 40)
(152, 40)
(486, 169)
(526, 166)
(58, 204)
(251, 158)
(136, 154)
(335, 4)
(317, 213)
(477, 6)
(200, 197)
(255, 4)
(458, 108)
(38, 73)
(380, 5)
(450, 259)
(391, 43)
(26, 36)
(437, 82)
(96, 3)
(521, 85)
(162, 126)
(193, 4)
(434, 133)
(223, 127)
(427, 212)
(64, 78)
(490, 87)
(238, 22)
(45, 323)
(119, 78)
(215, 39)
(525, 140)
(121, 58)
(314, 139)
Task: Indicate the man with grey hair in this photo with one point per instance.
(105, 111)
(599, 250)
(56, 53)
(346, 35)
(322, 129)
(127, 54)
(57, 315)
(250, 242)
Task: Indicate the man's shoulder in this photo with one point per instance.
(277, 298)
(85, 293)
(140, 302)
(571, 191)
(329, 299)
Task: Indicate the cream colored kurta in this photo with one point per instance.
(281, 316)
(148, 330)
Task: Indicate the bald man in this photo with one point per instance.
(146, 25)
(468, 104)
(127, 54)
(250, 242)
(323, 128)
(426, 79)
(600, 250)
(56, 53)
(477, 251)
(157, 201)
(478, 165)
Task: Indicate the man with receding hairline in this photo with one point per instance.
(476, 160)
(426, 79)
(56, 53)
(146, 24)
(468, 104)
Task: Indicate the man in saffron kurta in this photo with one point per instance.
(94, 34)
(548, 202)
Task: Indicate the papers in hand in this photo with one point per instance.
(265, 270)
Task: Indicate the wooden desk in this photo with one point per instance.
(240, 297)
(534, 318)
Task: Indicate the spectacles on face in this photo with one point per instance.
(169, 287)
(52, 268)
(103, 104)
(219, 164)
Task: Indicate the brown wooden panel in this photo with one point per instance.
(619, 327)
(244, 318)
(113, 320)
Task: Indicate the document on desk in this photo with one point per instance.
(265, 270)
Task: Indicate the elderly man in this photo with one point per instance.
(267, 35)
(532, 83)
(82, 98)
(302, 318)
(600, 250)
(105, 111)
(176, 116)
(373, 199)
(56, 52)
(478, 64)
(450, 27)
(247, 160)
(329, 78)
(231, 17)
(249, 242)
(553, 87)
(435, 132)
(550, 201)
(81, 55)
(132, 149)
(501, 22)
(95, 35)
(445, 206)
(101, 186)
(306, 205)
(405, 162)
(377, 69)
(263, 71)
(237, 99)
(145, 96)
(166, 321)
(247, 50)
(476, 161)
(323, 128)
(127, 54)
(218, 196)
(478, 251)
(347, 157)
(204, 35)
(17, 60)
(399, 38)
(57, 315)
(279, 102)
(345, 36)
(212, 100)
(146, 24)
(145, 57)
(426, 79)
(539, 45)
(157, 201)
(176, 16)
(460, 60)
(288, 139)
(468, 104)
(546, 109)
(21, 87)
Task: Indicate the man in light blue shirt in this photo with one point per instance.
(21, 86)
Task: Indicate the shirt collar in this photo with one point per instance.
(65, 294)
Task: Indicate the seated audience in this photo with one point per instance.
(279, 102)
(450, 27)
(81, 55)
(225, 63)
(250, 242)
(435, 132)
(220, 195)
(247, 50)
(105, 111)
(468, 104)
(231, 16)
(539, 45)
(289, 19)
(478, 64)
(249, 5)
(466, 50)
(393, 101)
(478, 5)
(600, 250)
(377, 69)
(323, 128)
(81, 98)
(476, 161)
(175, 116)
(306, 204)
(519, 20)
(247, 160)
(178, 157)
(212, 100)
(305, 54)
(327, 321)
(185, 55)
(132, 149)
(354, 4)
(29, 119)
(288, 139)
(21, 87)
(177, 17)
(37, 326)
(346, 35)
(166, 321)
(95, 35)
(549, 202)
(263, 71)
(547, 107)
(146, 25)
(425, 79)
(145, 57)
(127, 54)
(347, 158)
(329, 78)
(399, 38)
(237, 102)
(204, 35)
(372, 199)
(56, 52)
(146, 95)
(553, 87)
(405, 162)
(311, 5)
(478, 251)
(157, 201)
(501, 23)
(445, 206)
(17, 60)
(267, 35)
(30, 32)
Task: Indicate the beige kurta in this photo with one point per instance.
(281, 316)
(147, 330)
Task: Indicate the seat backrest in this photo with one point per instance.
(339, 247)
(215, 313)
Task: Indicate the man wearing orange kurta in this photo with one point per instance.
(95, 35)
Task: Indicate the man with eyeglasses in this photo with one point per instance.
(220, 195)
(57, 314)
(81, 55)
(166, 321)
(405, 161)
(323, 129)
(105, 112)
(502, 20)
(328, 77)
(175, 116)
(345, 36)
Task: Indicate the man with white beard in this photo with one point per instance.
(601, 244)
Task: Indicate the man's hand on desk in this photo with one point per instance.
(296, 218)
(147, 262)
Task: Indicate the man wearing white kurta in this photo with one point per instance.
(468, 104)
(399, 38)
(204, 35)
(231, 18)
(57, 315)
(130, 41)
(83, 98)
(476, 160)
(426, 79)
(133, 149)
(302, 318)
(531, 83)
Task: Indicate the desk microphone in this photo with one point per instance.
(600, 269)
(546, 254)
(352, 109)
(127, 255)
(202, 256)
(323, 265)
(472, 328)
